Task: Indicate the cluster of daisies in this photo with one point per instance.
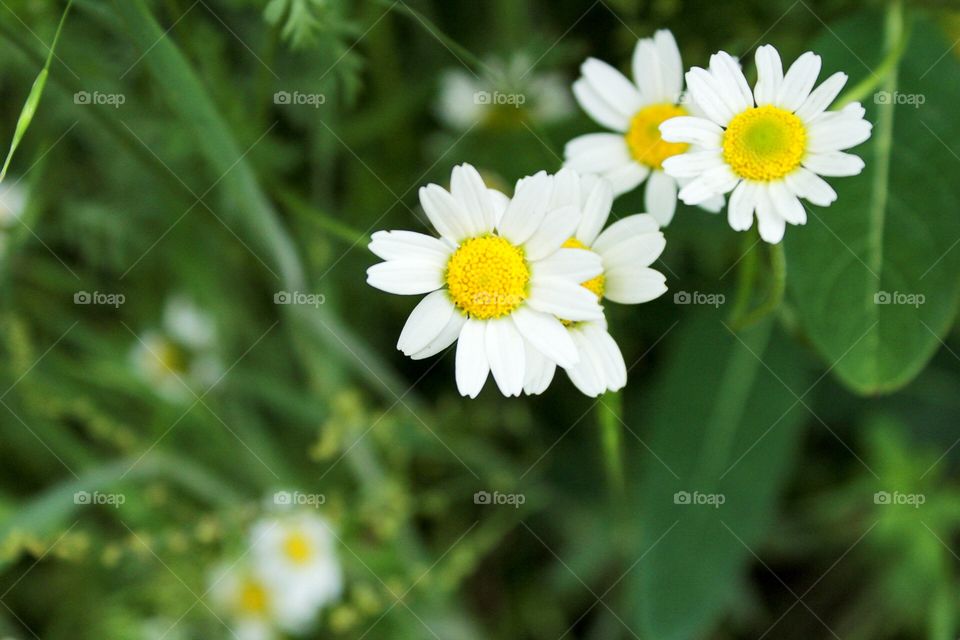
(518, 282)
(287, 574)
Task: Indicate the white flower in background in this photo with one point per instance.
(252, 608)
(13, 202)
(636, 152)
(296, 553)
(180, 356)
(507, 93)
(497, 276)
(627, 248)
(770, 145)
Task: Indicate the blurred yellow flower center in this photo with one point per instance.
(167, 358)
(253, 597)
(297, 548)
(596, 285)
(487, 277)
(643, 138)
(764, 143)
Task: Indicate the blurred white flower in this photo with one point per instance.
(180, 359)
(634, 110)
(251, 608)
(768, 145)
(626, 248)
(506, 93)
(13, 201)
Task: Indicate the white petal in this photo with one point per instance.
(597, 196)
(734, 90)
(627, 227)
(836, 134)
(742, 204)
(712, 183)
(798, 81)
(540, 371)
(660, 199)
(500, 202)
(713, 205)
(633, 285)
(634, 251)
(575, 265)
(692, 130)
(425, 323)
(446, 214)
(786, 204)
(505, 352)
(769, 75)
(706, 90)
(598, 109)
(527, 208)
(693, 163)
(447, 336)
(564, 299)
(822, 97)
(612, 86)
(812, 187)
(398, 245)
(769, 223)
(647, 72)
(671, 65)
(835, 164)
(588, 374)
(472, 364)
(597, 153)
(608, 356)
(406, 277)
(566, 189)
(627, 177)
(558, 226)
(468, 188)
(546, 334)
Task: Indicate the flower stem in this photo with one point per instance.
(609, 411)
(778, 285)
(896, 46)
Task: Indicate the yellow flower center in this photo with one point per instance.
(297, 548)
(253, 597)
(596, 285)
(764, 143)
(487, 277)
(643, 138)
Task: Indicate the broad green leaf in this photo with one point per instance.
(874, 277)
(725, 422)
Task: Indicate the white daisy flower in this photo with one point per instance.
(636, 152)
(13, 202)
(507, 93)
(497, 276)
(627, 248)
(181, 355)
(295, 553)
(770, 145)
(251, 606)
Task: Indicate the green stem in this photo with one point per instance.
(746, 278)
(321, 219)
(609, 411)
(778, 285)
(897, 38)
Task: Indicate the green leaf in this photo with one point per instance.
(724, 422)
(874, 277)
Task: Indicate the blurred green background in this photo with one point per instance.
(217, 155)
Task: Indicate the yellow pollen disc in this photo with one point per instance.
(297, 548)
(487, 277)
(253, 597)
(764, 143)
(596, 285)
(643, 138)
